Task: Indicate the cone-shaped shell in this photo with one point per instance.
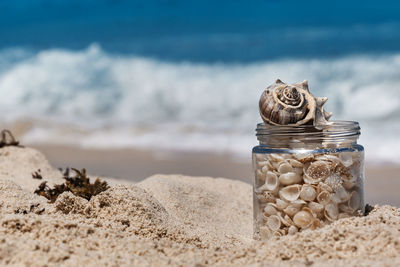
(292, 104)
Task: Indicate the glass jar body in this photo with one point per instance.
(296, 189)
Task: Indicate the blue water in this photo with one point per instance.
(205, 31)
(187, 75)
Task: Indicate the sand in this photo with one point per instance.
(168, 220)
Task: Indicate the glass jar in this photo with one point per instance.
(306, 178)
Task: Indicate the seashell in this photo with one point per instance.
(285, 167)
(289, 178)
(291, 210)
(274, 222)
(261, 157)
(285, 220)
(324, 198)
(277, 234)
(316, 172)
(348, 180)
(271, 181)
(308, 192)
(340, 195)
(299, 171)
(316, 223)
(269, 197)
(298, 203)
(284, 104)
(265, 169)
(295, 163)
(324, 187)
(260, 176)
(331, 212)
(354, 202)
(262, 163)
(270, 209)
(304, 157)
(346, 158)
(265, 232)
(290, 192)
(344, 207)
(292, 230)
(334, 181)
(316, 207)
(303, 219)
(281, 204)
(276, 158)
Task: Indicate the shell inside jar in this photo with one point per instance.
(295, 192)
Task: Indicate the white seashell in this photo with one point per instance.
(291, 210)
(292, 230)
(334, 181)
(269, 197)
(315, 224)
(308, 192)
(277, 234)
(303, 219)
(281, 204)
(346, 158)
(304, 157)
(324, 198)
(295, 163)
(298, 203)
(316, 207)
(265, 169)
(340, 195)
(285, 167)
(274, 222)
(299, 171)
(276, 158)
(265, 233)
(324, 187)
(270, 209)
(354, 202)
(327, 157)
(289, 178)
(316, 172)
(260, 176)
(285, 220)
(348, 180)
(262, 164)
(331, 212)
(271, 182)
(290, 192)
(261, 157)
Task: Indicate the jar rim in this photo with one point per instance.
(338, 129)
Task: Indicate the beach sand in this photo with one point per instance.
(168, 220)
(382, 182)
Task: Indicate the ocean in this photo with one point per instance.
(185, 76)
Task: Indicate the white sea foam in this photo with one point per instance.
(130, 101)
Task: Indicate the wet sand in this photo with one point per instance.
(382, 182)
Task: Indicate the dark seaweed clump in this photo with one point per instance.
(368, 209)
(7, 139)
(37, 175)
(79, 185)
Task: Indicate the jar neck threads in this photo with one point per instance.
(337, 134)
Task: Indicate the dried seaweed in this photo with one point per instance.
(37, 175)
(79, 185)
(368, 209)
(7, 139)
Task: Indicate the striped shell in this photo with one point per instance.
(292, 105)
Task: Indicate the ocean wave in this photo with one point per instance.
(142, 102)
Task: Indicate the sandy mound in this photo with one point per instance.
(168, 220)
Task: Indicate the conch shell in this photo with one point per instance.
(292, 105)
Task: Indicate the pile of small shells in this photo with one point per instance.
(294, 192)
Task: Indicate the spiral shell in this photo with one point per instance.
(292, 105)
